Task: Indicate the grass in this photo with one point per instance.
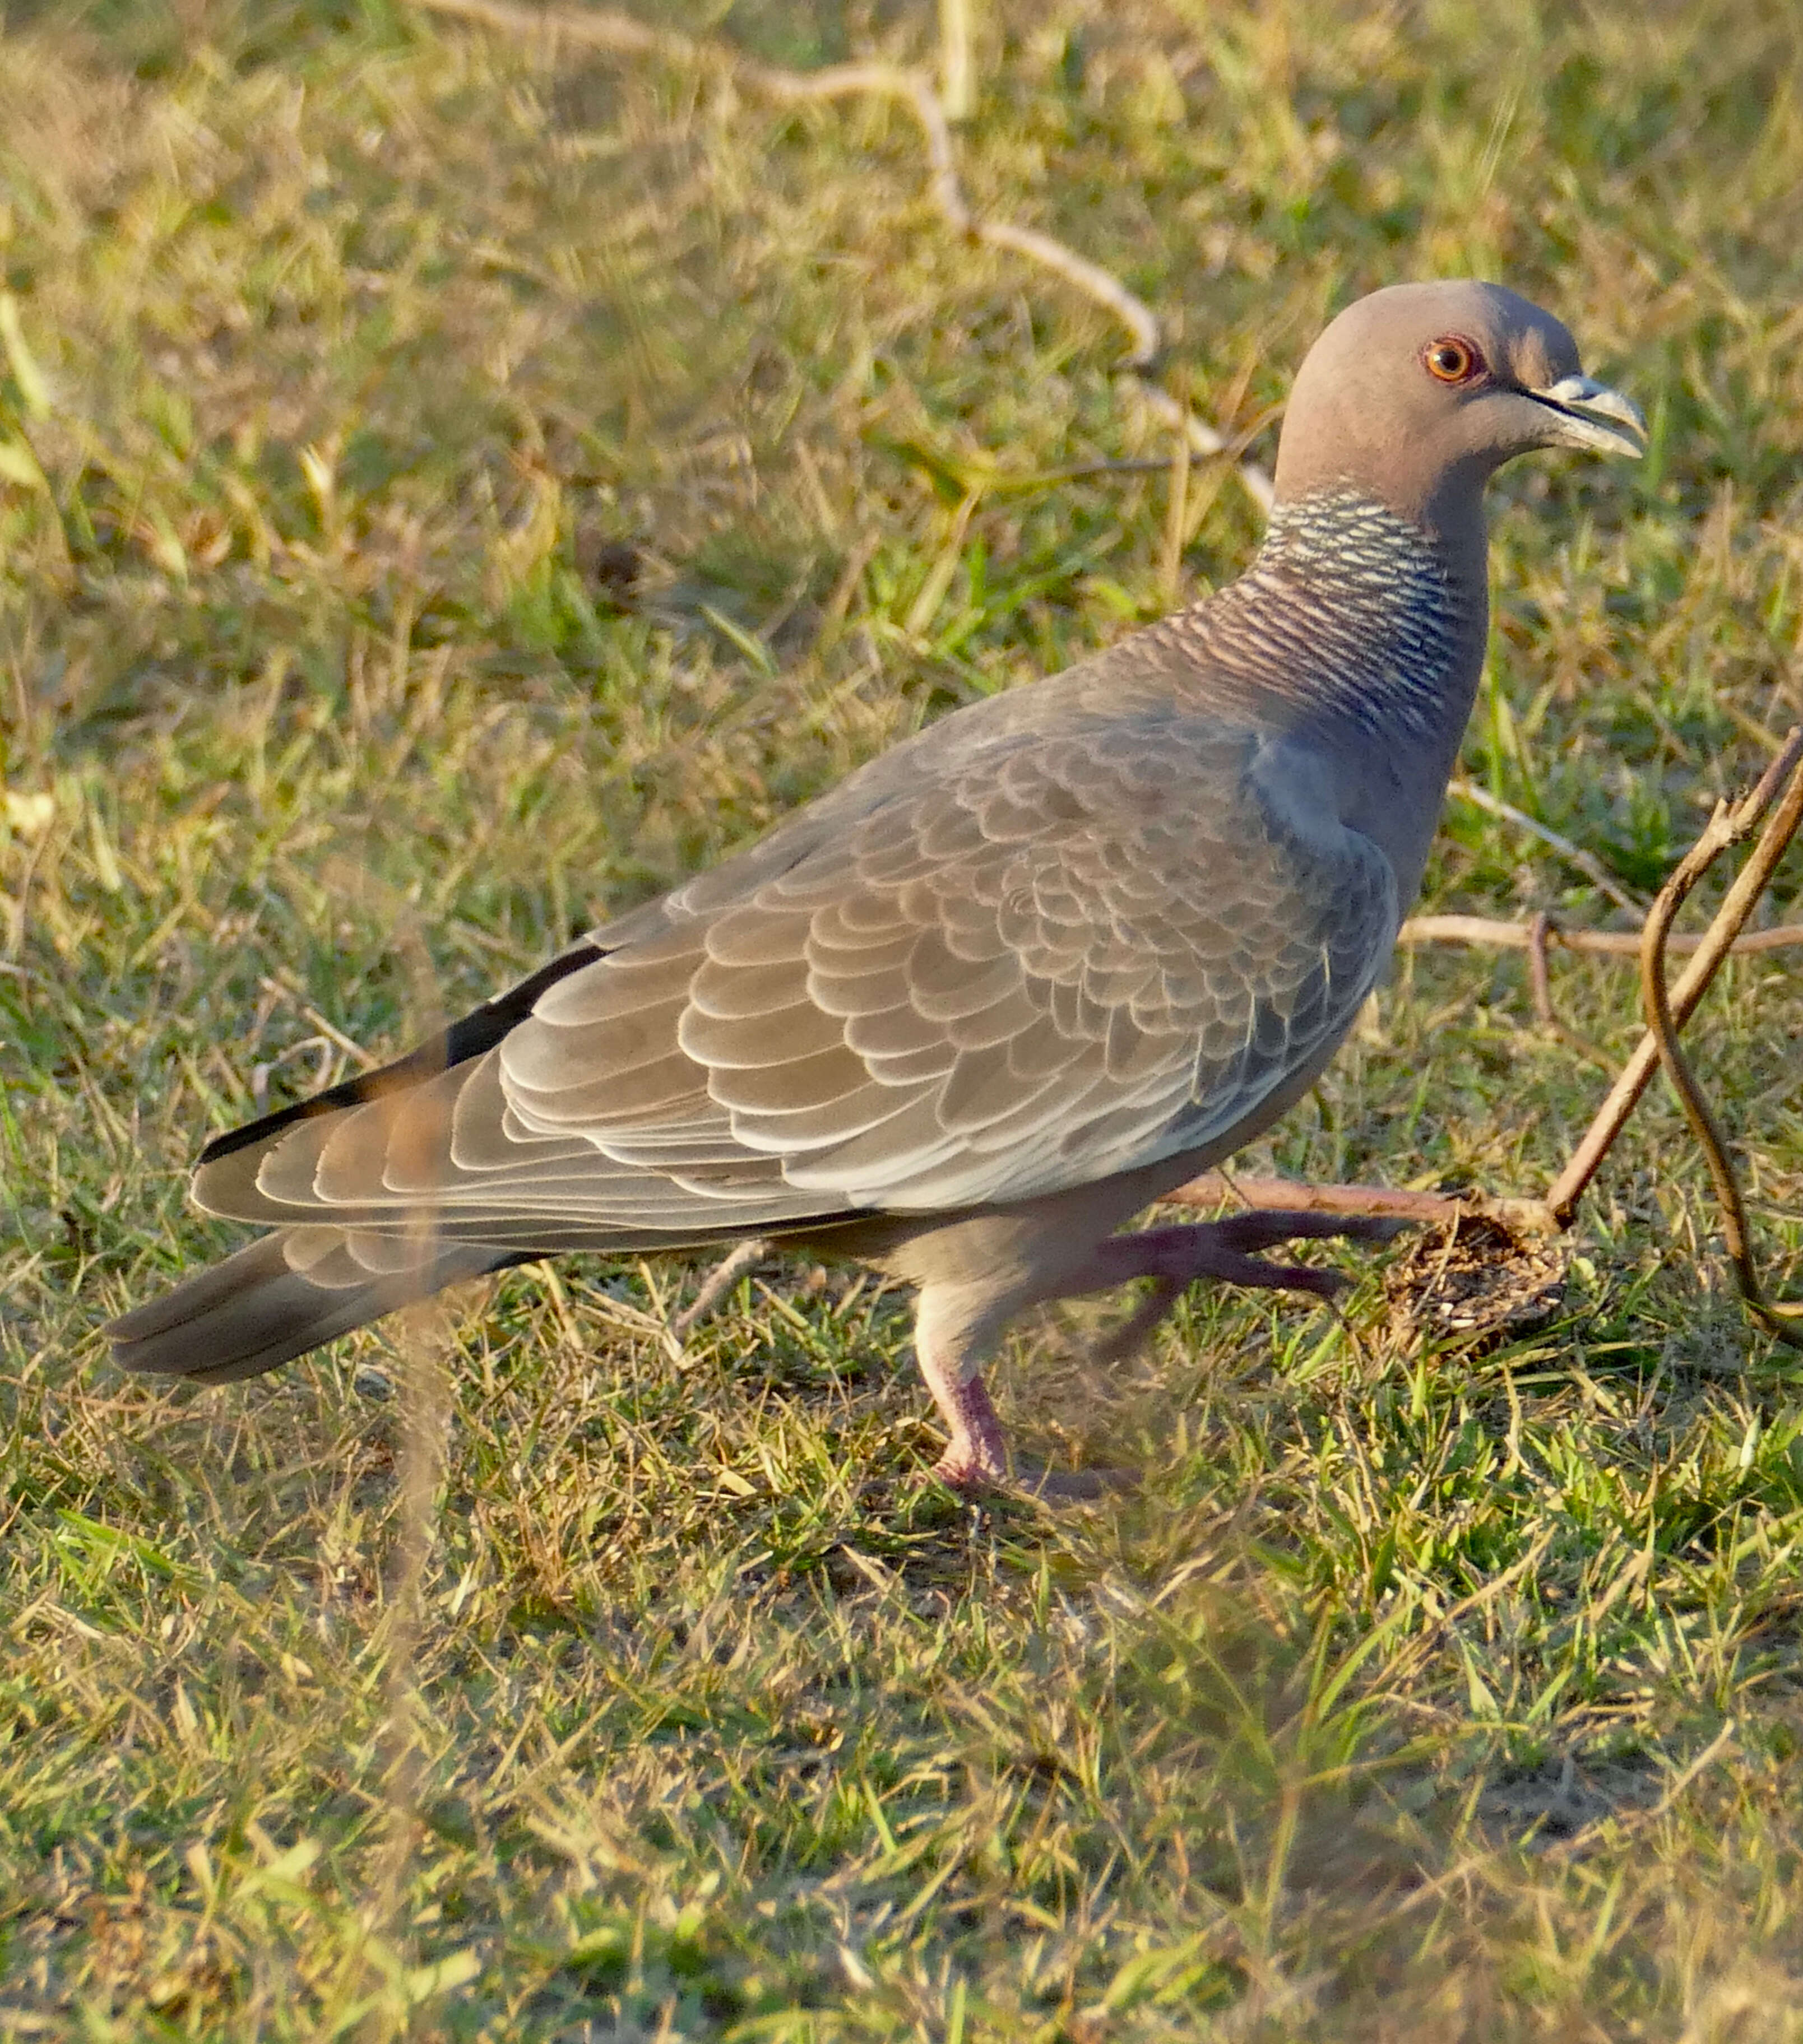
(353, 366)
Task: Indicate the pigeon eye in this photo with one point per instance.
(1452, 360)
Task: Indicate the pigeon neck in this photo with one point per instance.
(1383, 622)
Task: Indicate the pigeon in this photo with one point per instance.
(963, 1017)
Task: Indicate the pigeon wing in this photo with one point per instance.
(1071, 956)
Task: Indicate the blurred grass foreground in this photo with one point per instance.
(451, 485)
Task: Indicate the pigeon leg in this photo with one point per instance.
(1176, 1258)
(958, 1321)
(955, 1329)
(976, 1456)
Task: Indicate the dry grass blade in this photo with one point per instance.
(957, 67)
(1575, 856)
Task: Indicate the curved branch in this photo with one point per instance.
(1214, 1188)
(1727, 827)
(1717, 941)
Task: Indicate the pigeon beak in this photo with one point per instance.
(1591, 415)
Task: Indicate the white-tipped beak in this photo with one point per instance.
(1591, 415)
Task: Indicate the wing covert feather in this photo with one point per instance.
(1074, 955)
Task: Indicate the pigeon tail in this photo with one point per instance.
(275, 1300)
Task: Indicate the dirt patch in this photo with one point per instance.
(1477, 1283)
(1556, 1800)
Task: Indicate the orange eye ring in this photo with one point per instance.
(1452, 359)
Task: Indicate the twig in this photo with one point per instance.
(1586, 863)
(1714, 946)
(598, 28)
(352, 1050)
(1539, 983)
(1108, 291)
(1603, 943)
(601, 29)
(1727, 827)
(1430, 1210)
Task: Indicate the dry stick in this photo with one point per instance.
(1539, 982)
(1215, 1188)
(601, 29)
(1602, 943)
(717, 1283)
(1727, 827)
(1717, 941)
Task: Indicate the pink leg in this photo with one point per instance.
(949, 1349)
(976, 1456)
(955, 1327)
(1177, 1257)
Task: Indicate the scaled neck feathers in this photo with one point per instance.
(1354, 613)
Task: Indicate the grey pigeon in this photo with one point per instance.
(966, 1014)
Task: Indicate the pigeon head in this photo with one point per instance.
(1416, 395)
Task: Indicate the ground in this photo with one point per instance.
(454, 484)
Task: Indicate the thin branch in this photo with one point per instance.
(1716, 943)
(285, 990)
(601, 29)
(1214, 1188)
(1727, 827)
(1586, 863)
(1539, 983)
(1602, 943)
(1539, 979)
(1106, 289)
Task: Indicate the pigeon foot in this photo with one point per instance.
(1220, 1252)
